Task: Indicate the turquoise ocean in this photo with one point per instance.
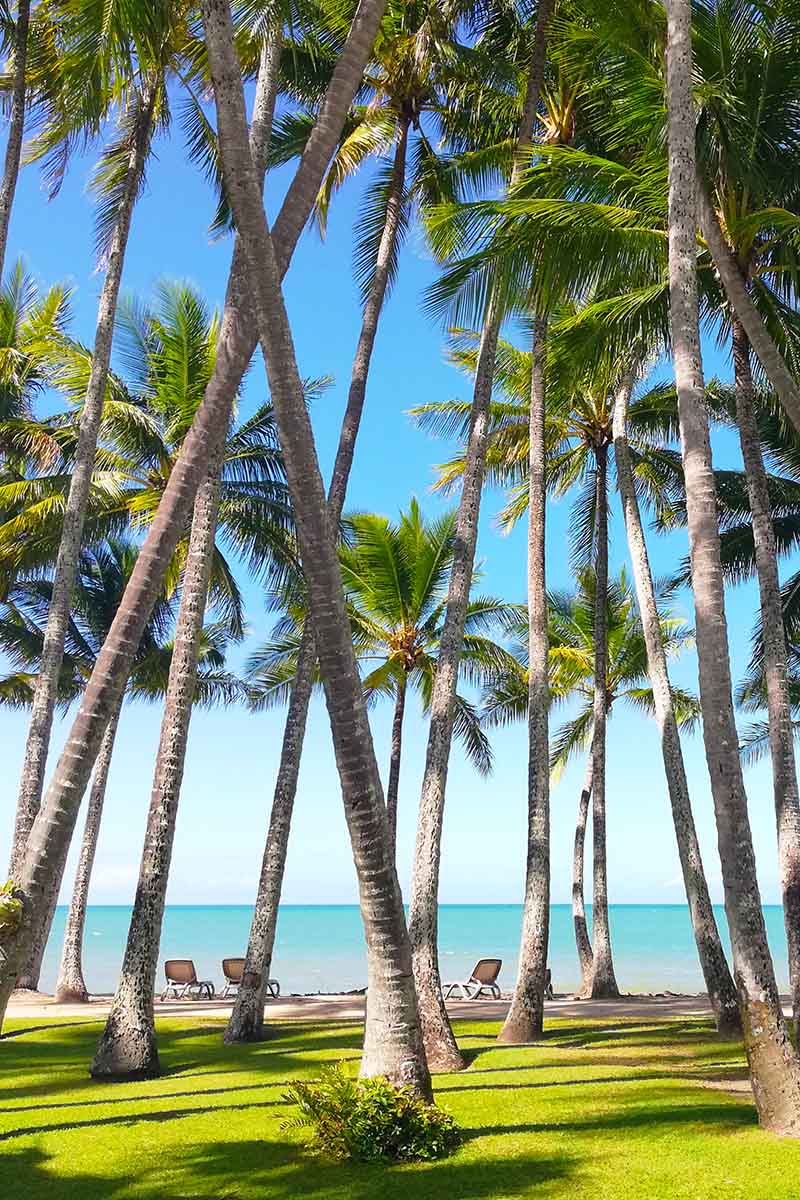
(320, 948)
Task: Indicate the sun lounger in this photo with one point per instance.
(182, 981)
(483, 979)
(233, 969)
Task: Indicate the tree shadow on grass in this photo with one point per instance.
(132, 1118)
(724, 1118)
(245, 1170)
(18, 1033)
(533, 1084)
(135, 1098)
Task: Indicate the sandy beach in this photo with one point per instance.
(351, 1007)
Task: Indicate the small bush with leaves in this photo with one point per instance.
(10, 908)
(369, 1120)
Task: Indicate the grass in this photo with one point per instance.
(613, 1111)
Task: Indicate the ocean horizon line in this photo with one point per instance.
(443, 904)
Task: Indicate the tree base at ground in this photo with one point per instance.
(71, 994)
(127, 1051)
(246, 1023)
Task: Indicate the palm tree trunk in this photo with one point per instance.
(774, 1067)
(127, 1047)
(15, 127)
(746, 312)
(718, 980)
(393, 1043)
(70, 985)
(45, 694)
(440, 1044)
(49, 843)
(393, 785)
(582, 940)
(603, 983)
(246, 1023)
(784, 768)
(525, 1019)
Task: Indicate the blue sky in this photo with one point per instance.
(233, 755)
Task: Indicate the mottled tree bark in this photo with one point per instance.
(393, 1043)
(16, 126)
(247, 1018)
(46, 690)
(781, 734)
(716, 973)
(773, 1063)
(440, 1044)
(582, 940)
(50, 838)
(525, 1019)
(128, 1047)
(70, 985)
(602, 982)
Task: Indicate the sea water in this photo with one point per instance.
(320, 948)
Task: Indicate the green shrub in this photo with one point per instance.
(10, 908)
(369, 1120)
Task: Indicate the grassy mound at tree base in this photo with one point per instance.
(619, 1110)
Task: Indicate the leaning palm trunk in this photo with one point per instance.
(781, 734)
(393, 1043)
(602, 981)
(49, 840)
(70, 985)
(128, 1048)
(746, 312)
(440, 1044)
(15, 127)
(45, 694)
(247, 1019)
(582, 940)
(719, 984)
(525, 1019)
(773, 1063)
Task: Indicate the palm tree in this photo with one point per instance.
(578, 418)
(394, 577)
(747, 186)
(101, 582)
(719, 984)
(572, 622)
(577, 437)
(441, 1048)
(16, 125)
(127, 1048)
(774, 1067)
(168, 353)
(393, 1043)
(32, 322)
(395, 580)
(406, 91)
(100, 65)
(237, 343)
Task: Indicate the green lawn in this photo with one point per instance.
(601, 1110)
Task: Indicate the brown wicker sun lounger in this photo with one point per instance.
(233, 969)
(182, 981)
